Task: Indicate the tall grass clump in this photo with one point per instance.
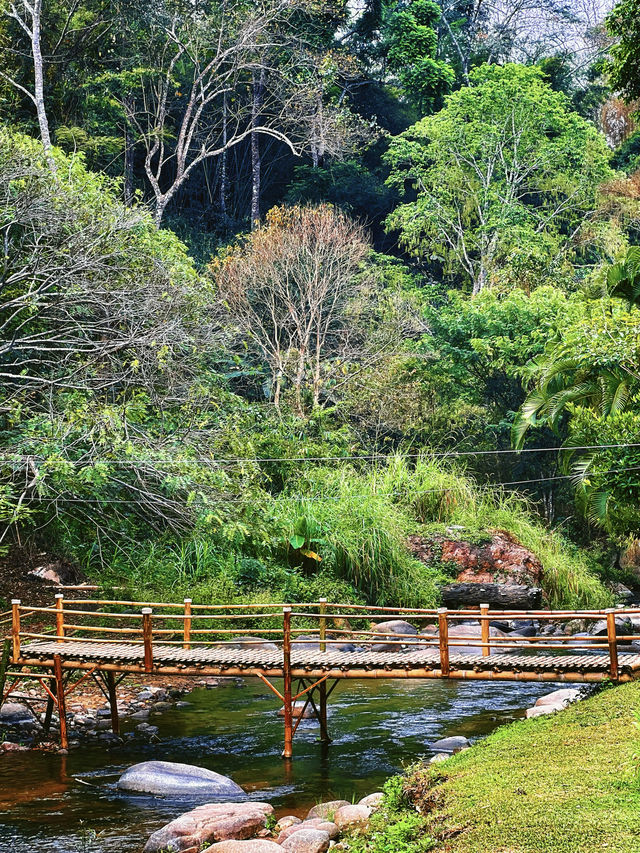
(433, 495)
(359, 533)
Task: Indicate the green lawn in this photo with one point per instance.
(567, 783)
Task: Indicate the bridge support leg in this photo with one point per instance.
(322, 712)
(60, 701)
(46, 725)
(4, 665)
(286, 672)
(113, 702)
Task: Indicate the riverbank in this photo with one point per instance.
(566, 783)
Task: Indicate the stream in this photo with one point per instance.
(69, 804)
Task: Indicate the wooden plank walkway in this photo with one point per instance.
(310, 663)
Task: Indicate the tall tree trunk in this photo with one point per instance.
(38, 74)
(256, 165)
(129, 146)
(224, 180)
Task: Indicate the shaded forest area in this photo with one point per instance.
(287, 283)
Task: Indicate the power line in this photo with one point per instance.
(319, 498)
(365, 457)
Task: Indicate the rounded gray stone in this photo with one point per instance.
(167, 778)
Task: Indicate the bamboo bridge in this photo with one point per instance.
(109, 640)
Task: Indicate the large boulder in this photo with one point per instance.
(624, 627)
(13, 713)
(169, 779)
(499, 572)
(208, 823)
(299, 710)
(563, 697)
(392, 626)
(372, 801)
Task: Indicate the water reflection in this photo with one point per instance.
(57, 804)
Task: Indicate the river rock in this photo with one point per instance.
(13, 713)
(439, 757)
(256, 845)
(211, 822)
(372, 801)
(542, 710)
(350, 816)
(327, 810)
(450, 744)
(314, 823)
(167, 778)
(252, 643)
(7, 746)
(287, 821)
(312, 643)
(474, 631)
(394, 626)
(562, 697)
(623, 627)
(307, 841)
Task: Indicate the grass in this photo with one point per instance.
(566, 783)
(343, 531)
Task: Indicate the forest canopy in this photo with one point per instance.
(286, 284)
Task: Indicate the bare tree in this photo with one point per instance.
(28, 15)
(287, 289)
(197, 102)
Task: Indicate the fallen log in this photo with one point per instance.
(496, 595)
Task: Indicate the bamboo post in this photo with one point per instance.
(613, 647)
(187, 623)
(59, 616)
(486, 632)
(322, 688)
(113, 702)
(147, 637)
(286, 673)
(443, 641)
(60, 701)
(15, 628)
(4, 665)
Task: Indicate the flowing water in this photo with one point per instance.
(69, 804)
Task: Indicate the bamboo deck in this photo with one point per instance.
(124, 657)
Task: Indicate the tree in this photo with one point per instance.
(503, 176)
(28, 16)
(624, 25)
(586, 388)
(287, 288)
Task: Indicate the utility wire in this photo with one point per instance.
(318, 498)
(365, 457)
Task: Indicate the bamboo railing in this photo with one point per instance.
(192, 625)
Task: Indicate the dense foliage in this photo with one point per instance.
(284, 284)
